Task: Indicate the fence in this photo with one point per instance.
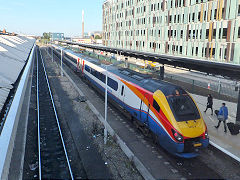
(218, 87)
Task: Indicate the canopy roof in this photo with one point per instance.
(14, 52)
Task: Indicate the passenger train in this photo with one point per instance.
(166, 110)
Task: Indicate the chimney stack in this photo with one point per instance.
(82, 23)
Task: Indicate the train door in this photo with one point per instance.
(122, 92)
(144, 109)
(78, 64)
(82, 66)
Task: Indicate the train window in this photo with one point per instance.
(87, 68)
(102, 77)
(122, 91)
(156, 106)
(93, 72)
(183, 108)
(97, 74)
(112, 83)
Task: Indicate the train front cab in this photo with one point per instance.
(184, 132)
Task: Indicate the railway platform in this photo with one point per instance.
(225, 142)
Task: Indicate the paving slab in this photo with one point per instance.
(229, 144)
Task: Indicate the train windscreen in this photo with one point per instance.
(183, 108)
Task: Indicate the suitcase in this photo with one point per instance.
(234, 129)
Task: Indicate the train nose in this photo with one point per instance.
(191, 124)
(192, 128)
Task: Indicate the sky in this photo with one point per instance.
(37, 16)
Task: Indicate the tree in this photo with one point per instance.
(98, 37)
(46, 35)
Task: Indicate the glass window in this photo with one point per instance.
(102, 77)
(87, 68)
(112, 83)
(239, 32)
(156, 106)
(183, 108)
(207, 33)
(122, 91)
(224, 33)
(93, 72)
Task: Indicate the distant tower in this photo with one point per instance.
(82, 23)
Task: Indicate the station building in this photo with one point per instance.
(201, 29)
(56, 36)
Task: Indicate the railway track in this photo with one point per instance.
(52, 154)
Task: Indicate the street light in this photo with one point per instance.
(61, 62)
(238, 107)
(105, 119)
(52, 54)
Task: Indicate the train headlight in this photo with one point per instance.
(206, 135)
(177, 136)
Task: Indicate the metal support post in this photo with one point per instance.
(219, 87)
(126, 63)
(238, 108)
(105, 120)
(193, 84)
(61, 62)
(162, 72)
(52, 54)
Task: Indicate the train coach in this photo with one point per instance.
(165, 110)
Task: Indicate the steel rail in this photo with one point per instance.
(57, 120)
(38, 115)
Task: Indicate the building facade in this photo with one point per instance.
(201, 29)
(56, 36)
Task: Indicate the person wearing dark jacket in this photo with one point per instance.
(209, 103)
(222, 115)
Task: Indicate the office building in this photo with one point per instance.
(201, 29)
(56, 36)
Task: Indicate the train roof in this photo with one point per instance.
(147, 82)
(143, 80)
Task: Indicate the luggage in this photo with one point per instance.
(233, 128)
(221, 118)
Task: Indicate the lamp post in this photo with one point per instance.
(105, 119)
(61, 62)
(238, 108)
(52, 54)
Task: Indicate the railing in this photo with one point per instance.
(218, 87)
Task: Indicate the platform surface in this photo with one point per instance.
(226, 141)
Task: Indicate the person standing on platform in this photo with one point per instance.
(209, 103)
(222, 115)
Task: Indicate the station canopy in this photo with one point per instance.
(14, 52)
